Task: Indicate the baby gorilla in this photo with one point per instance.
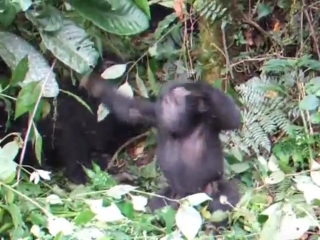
(189, 117)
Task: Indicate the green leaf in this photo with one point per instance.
(3, 6)
(13, 48)
(121, 17)
(263, 10)
(27, 98)
(284, 4)
(315, 81)
(152, 80)
(315, 118)
(7, 164)
(141, 86)
(9, 151)
(168, 215)
(24, 4)
(8, 15)
(240, 167)
(278, 65)
(37, 218)
(48, 19)
(9, 197)
(37, 143)
(20, 71)
(84, 217)
(271, 227)
(275, 177)
(144, 6)
(72, 47)
(16, 215)
(126, 209)
(309, 102)
(45, 108)
(306, 61)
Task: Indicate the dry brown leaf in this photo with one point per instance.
(271, 94)
(276, 27)
(139, 149)
(178, 4)
(248, 35)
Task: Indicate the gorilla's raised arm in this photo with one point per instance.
(223, 109)
(130, 109)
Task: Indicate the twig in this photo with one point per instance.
(224, 41)
(260, 29)
(257, 59)
(313, 34)
(115, 155)
(45, 211)
(25, 141)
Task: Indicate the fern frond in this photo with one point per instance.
(262, 115)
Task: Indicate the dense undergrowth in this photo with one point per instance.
(271, 54)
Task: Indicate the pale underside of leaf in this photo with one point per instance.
(189, 221)
(126, 19)
(114, 71)
(72, 46)
(14, 48)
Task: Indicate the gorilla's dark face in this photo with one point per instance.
(180, 109)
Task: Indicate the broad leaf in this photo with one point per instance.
(57, 225)
(37, 143)
(240, 167)
(315, 118)
(139, 202)
(263, 10)
(24, 4)
(27, 98)
(84, 217)
(144, 5)
(90, 233)
(54, 199)
(275, 177)
(14, 48)
(7, 13)
(114, 71)
(273, 164)
(72, 47)
(20, 72)
(291, 226)
(105, 214)
(118, 191)
(197, 198)
(126, 89)
(189, 221)
(141, 86)
(309, 102)
(102, 112)
(48, 19)
(271, 227)
(7, 164)
(121, 17)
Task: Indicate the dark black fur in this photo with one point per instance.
(71, 138)
(189, 117)
(78, 133)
